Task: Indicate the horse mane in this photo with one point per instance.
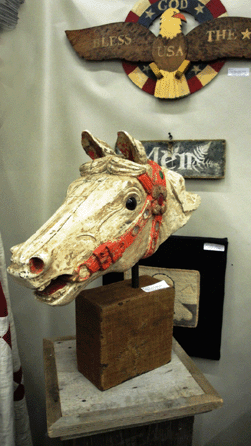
(114, 165)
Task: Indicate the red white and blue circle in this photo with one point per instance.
(145, 12)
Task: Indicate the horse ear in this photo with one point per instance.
(131, 148)
(94, 147)
(189, 201)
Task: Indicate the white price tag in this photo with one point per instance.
(238, 71)
(213, 247)
(155, 286)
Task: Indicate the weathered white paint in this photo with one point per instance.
(93, 213)
(40, 154)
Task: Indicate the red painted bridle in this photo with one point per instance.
(154, 206)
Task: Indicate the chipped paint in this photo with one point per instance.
(94, 232)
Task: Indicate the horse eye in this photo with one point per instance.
(131, 203)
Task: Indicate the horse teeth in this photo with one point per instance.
(44, 285)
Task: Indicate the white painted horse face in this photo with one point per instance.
(117, 212)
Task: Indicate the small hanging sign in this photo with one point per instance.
(202, 159)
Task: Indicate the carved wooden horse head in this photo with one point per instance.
(120, 210)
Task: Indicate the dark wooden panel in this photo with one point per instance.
(209, 257)
(219, 38)
(168, 433)
(190, 158)
(124, 40)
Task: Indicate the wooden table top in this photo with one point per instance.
(75, 407)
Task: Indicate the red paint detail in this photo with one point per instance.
(124, 149)
(109, 252)
(130, 156)
(157, 180)
(3, 303)
(93, 150)
(103, 255)
(36, 265)
(7, 337)
(126, 152)
(149, 182)
(116, 249)
(154, 235)
(92, 264)
(216, 8)
(19, 393)
(217, 65)
(180, 16)
(129, 67)
(149, 86)
(153, 1)
(160, 200)
(55, 285)
(194, 84)
(132, 17)
(146, 182)
(92, 154)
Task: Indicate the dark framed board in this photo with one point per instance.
(187, 291)
(202, 159)
(208, 256)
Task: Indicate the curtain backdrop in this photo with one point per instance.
(14, 421)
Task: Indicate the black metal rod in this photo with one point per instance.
(135, 276)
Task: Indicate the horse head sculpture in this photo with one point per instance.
(120, 210)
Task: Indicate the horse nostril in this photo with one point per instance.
(36, 265)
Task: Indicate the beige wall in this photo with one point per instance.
(48, 96)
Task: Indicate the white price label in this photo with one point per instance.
(213, 247)
(155, 286)
(238, 71)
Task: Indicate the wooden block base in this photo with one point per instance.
(122, 332)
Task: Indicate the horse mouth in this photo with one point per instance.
(55, 289)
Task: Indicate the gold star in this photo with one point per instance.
(246, 34)
(146, 68)
(149, 14)
(199, 9)
(196, 69)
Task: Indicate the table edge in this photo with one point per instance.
(59, 426)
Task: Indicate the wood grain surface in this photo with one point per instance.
(122, 331)
(76, 408)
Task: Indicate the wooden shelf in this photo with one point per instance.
(76, 408)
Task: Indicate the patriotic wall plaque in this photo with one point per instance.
(170, 65)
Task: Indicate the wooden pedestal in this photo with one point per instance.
(122, 332)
